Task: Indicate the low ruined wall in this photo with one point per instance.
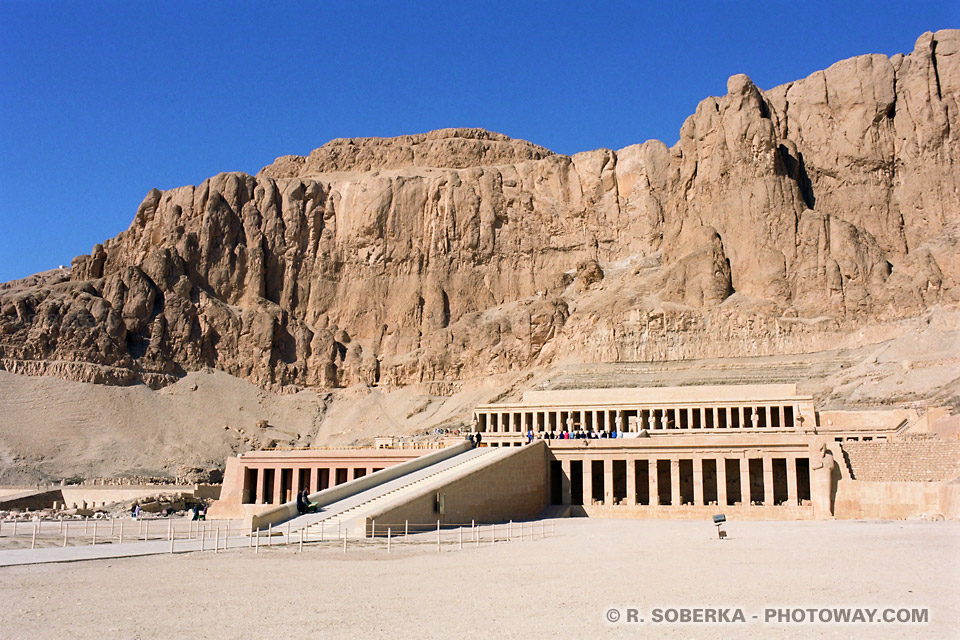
(511, 488)
(896, 500)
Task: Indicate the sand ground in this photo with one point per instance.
(561, 586)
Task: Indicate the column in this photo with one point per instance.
(277, 478)
(721, 482)
(632, 481)
(608, 482)
(654, 481)
(651, 422)
(767, 480)
(587, 481)
(565, 482)
(259, 498)
(744, 495)
(697, 480)
(792, 481)
(675, 482)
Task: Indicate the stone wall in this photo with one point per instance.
(897, 500)
(913, 461)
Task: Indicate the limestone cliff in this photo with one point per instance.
(814, 215)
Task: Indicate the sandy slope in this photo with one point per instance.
(51, 428)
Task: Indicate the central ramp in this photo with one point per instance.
(480, 480)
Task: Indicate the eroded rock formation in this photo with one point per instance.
(809, 216)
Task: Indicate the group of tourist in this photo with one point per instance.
(582, 434)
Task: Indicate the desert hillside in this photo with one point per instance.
(807, 231)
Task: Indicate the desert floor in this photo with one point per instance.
(561, 586)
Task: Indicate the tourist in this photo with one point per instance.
(301, 505)
(479, 439)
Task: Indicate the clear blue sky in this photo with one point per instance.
(102, 101)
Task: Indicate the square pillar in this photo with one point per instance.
(654, 481)
(697, 480)
(565, 482)
(277, 484)
(721, 483)
(675, 482)
(632, 481)
(783, 417)
(259, 498)
(767, 480)
(587, 481)
(744, 481)
(608, 482)
(295, 482)
(792, 481)
(769, 411)
(729, 420)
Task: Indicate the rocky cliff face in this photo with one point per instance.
(814, 215)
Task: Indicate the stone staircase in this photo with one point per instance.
(349, 515)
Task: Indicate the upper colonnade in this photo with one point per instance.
(650, 409)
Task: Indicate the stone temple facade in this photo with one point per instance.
(747, 451)
(753, 450)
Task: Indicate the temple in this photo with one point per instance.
(760, 451)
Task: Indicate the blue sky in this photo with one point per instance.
(102, 101)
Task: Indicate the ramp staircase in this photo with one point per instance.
(348, 515)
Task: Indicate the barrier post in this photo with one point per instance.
(344, 541)
(33, 538)
(66, 531)
(321, 531)
(438, 536)
(460, 531)
(172, 538)
(216, 545)
(288, 532)
(270, 535)
(257, 550)
(301, 540)
(388, 539)
(203, 536)
(406, 527)
(95, 523)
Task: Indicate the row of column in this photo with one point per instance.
(793, 490)
(315, 479)
(651, 419)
